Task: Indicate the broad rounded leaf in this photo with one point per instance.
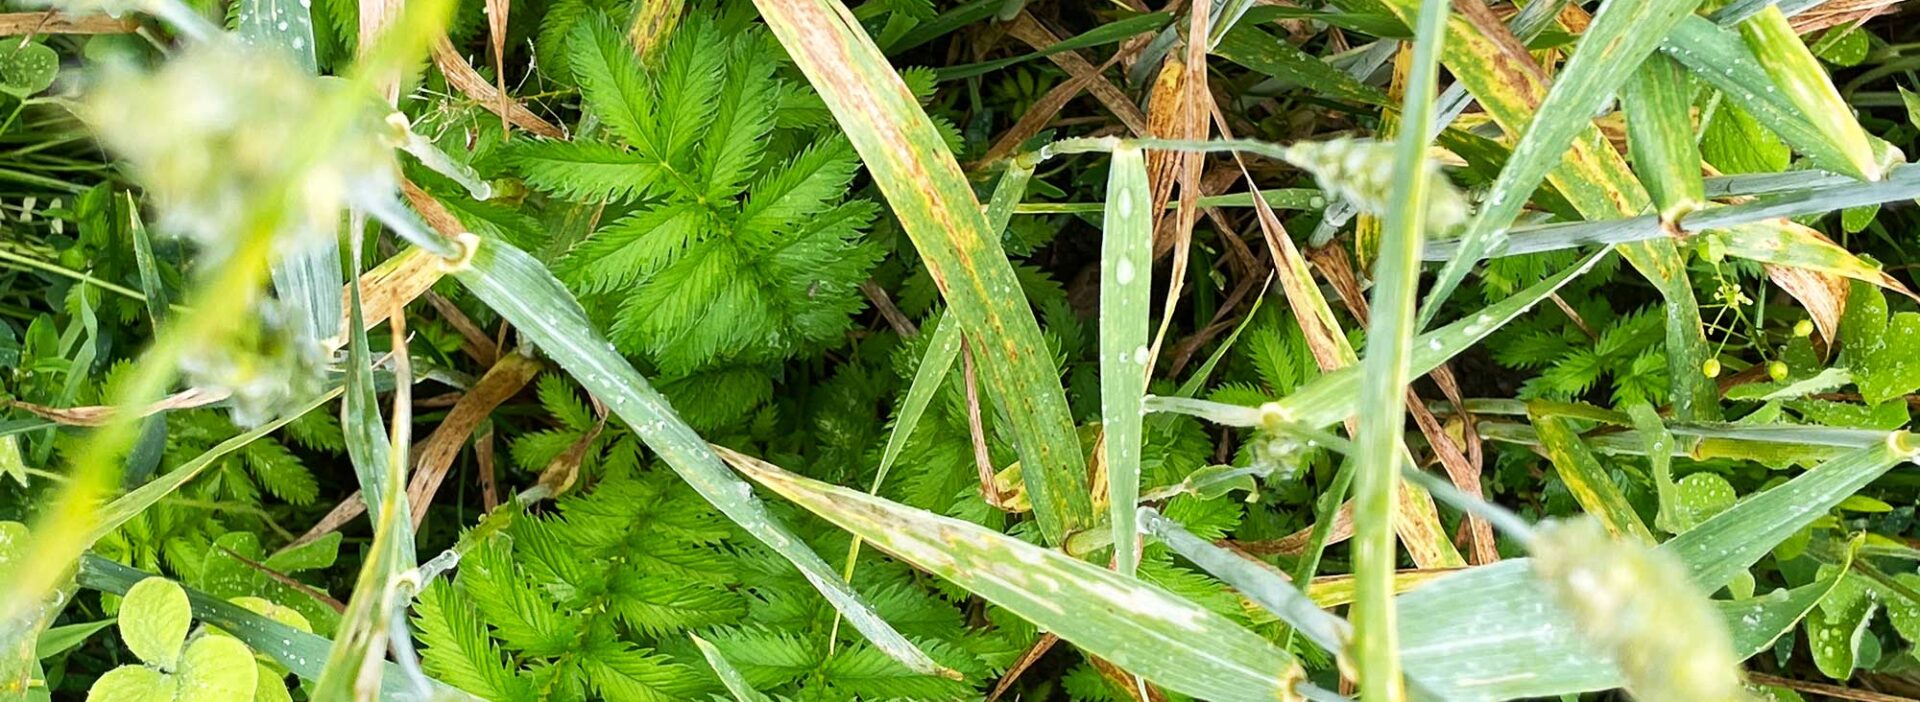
(271, 686)
(1834, 638)
(218, 669)
(28, 68)
(1904, 612)
(1701, 496)
(132, 683)
(154, 618)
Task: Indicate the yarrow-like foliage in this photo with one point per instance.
(740, 243)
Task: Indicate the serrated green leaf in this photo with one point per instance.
(154, 618)
(523, 292)
(936, 207)
(729, 676)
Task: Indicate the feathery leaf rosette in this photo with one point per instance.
(1639, 605)
(742, 245)
(207, 136)
(1361, 170)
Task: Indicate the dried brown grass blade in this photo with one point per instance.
(1196, 103)
(19, 23)
(1823, 295)
(463, 78)
(1027, 29)
(1418, 522)
(99, 415)
(1838, 12)
(435, 455)
(1036, 119)
(1463, 471)
(497, 11)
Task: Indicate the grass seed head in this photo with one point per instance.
(266, 365)
(1638, 605)
(1361, 170)
(213, 134)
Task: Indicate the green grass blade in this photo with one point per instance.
(1659, 106)
(1623, 34)
(1109, 33)
(526, 295)
(1265, 587)
(1771, 244)
(1558, 141)
(1254, 48)
(151, 284)
(1494, 634)
(1277, 198)
(1331, 398)
(1718, 57)
(362, 428)
(301, 652)
(1805, 83)
(730, 676)
(380, 463)
(942, 349)
(116, 513)
(286, 25)
(1784, 243)
(308, 279)
(1732, 541)
(1386, 369)
(936, 207)
(1126, 274)
(1580, 469)
(1658, 443)
(1168, 640)
(1479, 635)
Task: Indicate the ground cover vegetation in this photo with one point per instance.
(647, 350)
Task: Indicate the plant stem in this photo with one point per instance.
(1385, 372)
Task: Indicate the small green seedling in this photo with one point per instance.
(154, 621)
